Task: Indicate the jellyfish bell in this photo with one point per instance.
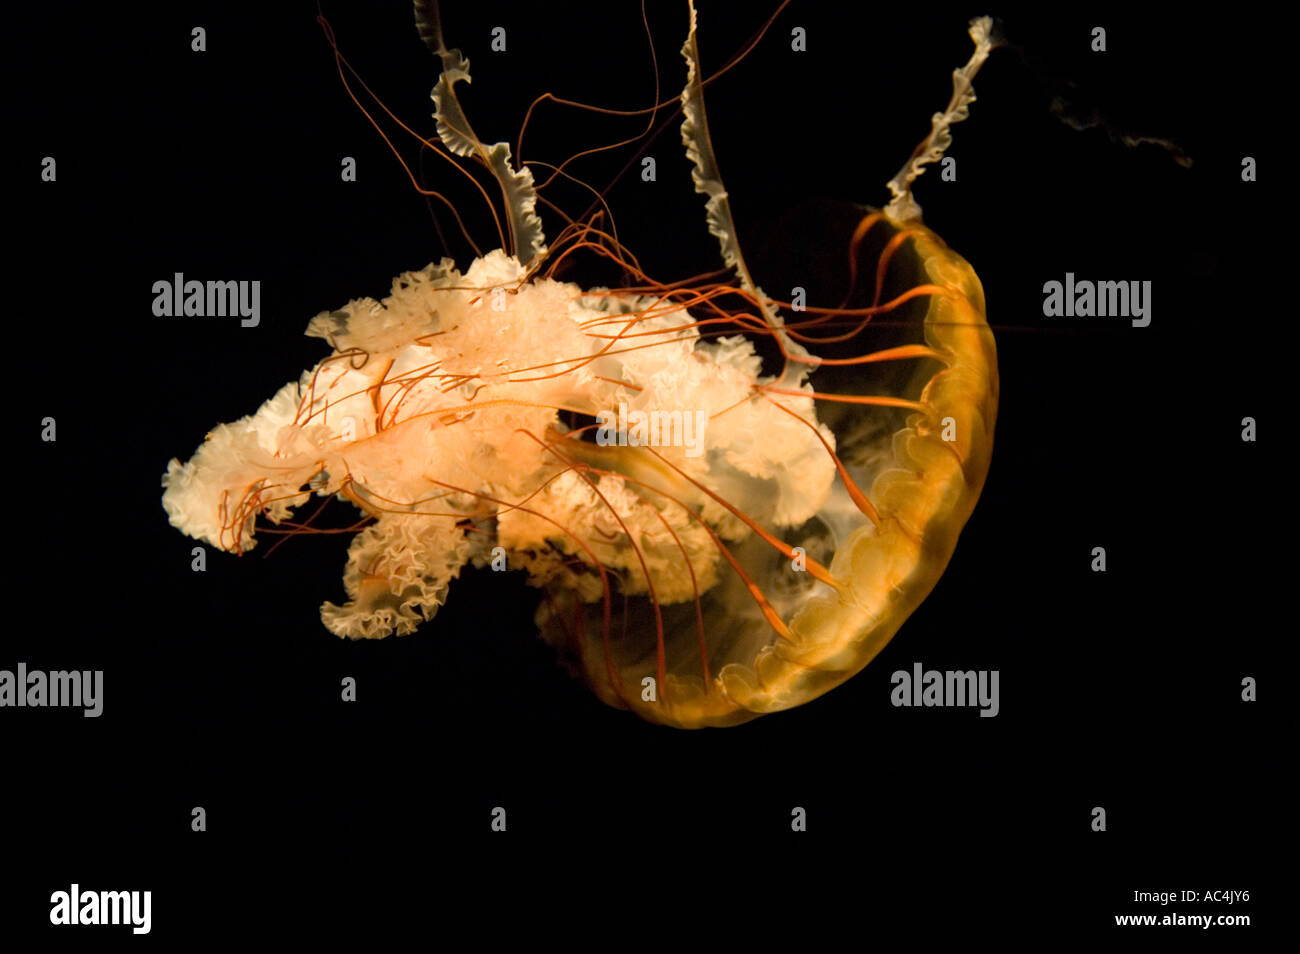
(713, 542)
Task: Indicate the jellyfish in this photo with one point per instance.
(713, 542)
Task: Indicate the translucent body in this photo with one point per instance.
(923, 488)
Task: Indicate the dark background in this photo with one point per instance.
(222, 689)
